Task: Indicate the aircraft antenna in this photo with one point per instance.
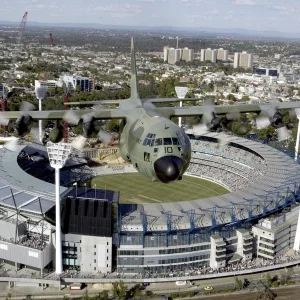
(22, 28)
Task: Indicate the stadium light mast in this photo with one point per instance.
(40, 93)
(180, 92)
(298, 134)
(58, 155)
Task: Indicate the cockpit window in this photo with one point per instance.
(167, 141)
(158, 142)
(175, 141)
(149, 142)
(183, 140)
(152, 143)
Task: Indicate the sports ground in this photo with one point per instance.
(134, 188)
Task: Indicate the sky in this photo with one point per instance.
(264, 15)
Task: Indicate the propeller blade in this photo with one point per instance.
(4, 121)
(79, 142)
(222, 139)
(34, 133)
(234, 115)
(200, 129)
(26, 106)
(262, 122)
(71, 117)
(12, 145)
(283, 133)
(104, 136)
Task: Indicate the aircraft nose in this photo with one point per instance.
(168, 168)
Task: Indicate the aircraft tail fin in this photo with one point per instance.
(134, 94)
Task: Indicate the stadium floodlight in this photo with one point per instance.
(297, 110)
(181, 91)
(58, 155)
(40, 93)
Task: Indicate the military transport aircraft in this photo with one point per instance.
(156, 146)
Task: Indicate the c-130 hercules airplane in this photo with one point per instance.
(158, 148)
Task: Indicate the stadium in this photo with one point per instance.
(256, 221)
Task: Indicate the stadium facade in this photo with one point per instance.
(258, 218)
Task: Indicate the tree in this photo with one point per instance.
(230, 97)
(269, 279)
(239, 283)
(119, 290)
(86, 295)
(137, 293)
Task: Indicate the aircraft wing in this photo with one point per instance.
(162, 100)
(100, 114)
(152, 100)
(224, 109)
(96, 102)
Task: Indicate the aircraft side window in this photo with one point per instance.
(146, 156)
(175, 141)
(155, 150)
(167, 141)
(158, 142)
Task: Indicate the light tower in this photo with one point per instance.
(297, 110)
(180, 92)
(297, 236)
(22, 27)
(58, 154)
(40, 93)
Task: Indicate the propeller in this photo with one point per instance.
(22, 126)
(90, 128)
(272, 116)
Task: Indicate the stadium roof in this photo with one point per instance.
(19, 189)
(261, 196)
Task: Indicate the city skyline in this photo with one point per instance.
(261, 15)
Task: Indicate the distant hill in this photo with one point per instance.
(223, 32)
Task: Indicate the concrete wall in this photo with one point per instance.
(25, 255)
(96, 254)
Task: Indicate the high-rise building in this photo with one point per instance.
(187, 54)
(174, 55)
(166, 52)
(222, 54)
(209, 54)
(243, 60)
(236, 60)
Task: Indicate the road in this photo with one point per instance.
(291, 292)
(285, 293)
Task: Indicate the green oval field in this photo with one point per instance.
(134, 188)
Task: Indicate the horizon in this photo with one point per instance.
(250, 15)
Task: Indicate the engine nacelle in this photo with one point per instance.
(277, 120)
(239, 128)
(56, 134)
(215, 123)
(22, 126)
(90, 128)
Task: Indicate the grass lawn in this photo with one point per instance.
(134, 188)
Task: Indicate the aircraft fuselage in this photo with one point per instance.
(156, 146)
